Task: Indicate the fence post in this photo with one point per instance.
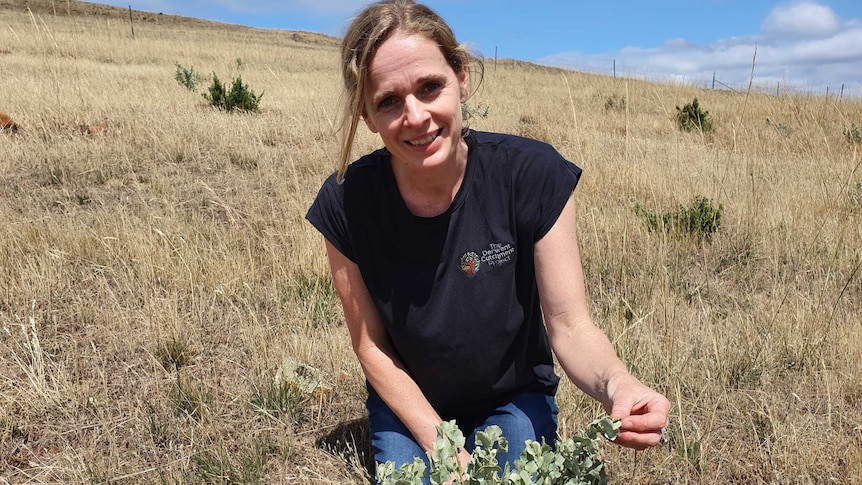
(615, 68)
(131, 22)
(713, 80)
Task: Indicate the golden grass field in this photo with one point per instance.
(156, 270)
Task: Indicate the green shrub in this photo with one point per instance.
(613, 102)
(701, 219)
(782, 129)
(853, 135)
(571, 462)
(238, 97)
(480, 110)
(187, 76)
(855, 195)
(691, 117)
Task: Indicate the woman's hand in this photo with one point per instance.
(644, 412)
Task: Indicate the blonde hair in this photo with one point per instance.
(376, 23)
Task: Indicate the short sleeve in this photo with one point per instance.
(327, 215)
(544, 182)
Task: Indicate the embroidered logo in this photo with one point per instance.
(470, 264)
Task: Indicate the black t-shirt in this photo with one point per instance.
(457, 292)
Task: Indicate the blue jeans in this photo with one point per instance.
(529, 416)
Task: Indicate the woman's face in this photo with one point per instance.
(414, 101)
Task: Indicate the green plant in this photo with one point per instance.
(192, 400)
(613, 102)
(700, 219)
(316, 295)
(782, 129)
(691, 117)
(280, 398)
(853, 135)
(573, 461)
(246, 465)
(237, 97)
(480, 110)
(187, 76)
(855, 195)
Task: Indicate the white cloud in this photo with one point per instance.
(801, 20)
(806, 45)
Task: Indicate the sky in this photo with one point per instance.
(812, 45)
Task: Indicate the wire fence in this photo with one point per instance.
(715, 81)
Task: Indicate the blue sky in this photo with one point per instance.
(808, 44)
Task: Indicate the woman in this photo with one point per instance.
(442, 246)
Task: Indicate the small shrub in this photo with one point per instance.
(238, 97)
(187, 77)
(469, 112)
(784, 130)
(691, 117)
(650, 218)
(615, 103)
(701, 219)
(853, 135)
(855, 195)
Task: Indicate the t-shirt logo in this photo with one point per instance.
(470, 264)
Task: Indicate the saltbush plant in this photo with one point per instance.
(615, 103)
(187, 77)
(237, 97)
(480, 110)
(700, 219)
(781, 128)
(692, 117)
(853, 135)
(570, 462)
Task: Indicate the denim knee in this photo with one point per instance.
(529, 416)
(390, 439)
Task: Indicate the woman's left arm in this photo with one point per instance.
(583, 350)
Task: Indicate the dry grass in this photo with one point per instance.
(156, 270)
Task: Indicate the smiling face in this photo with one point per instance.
(414, 102)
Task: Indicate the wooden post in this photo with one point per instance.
(615, 68)
(841, 94)
(131, 22)
(713, 80)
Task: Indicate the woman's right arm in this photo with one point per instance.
(372, 346)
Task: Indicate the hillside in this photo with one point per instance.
(167, 316)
